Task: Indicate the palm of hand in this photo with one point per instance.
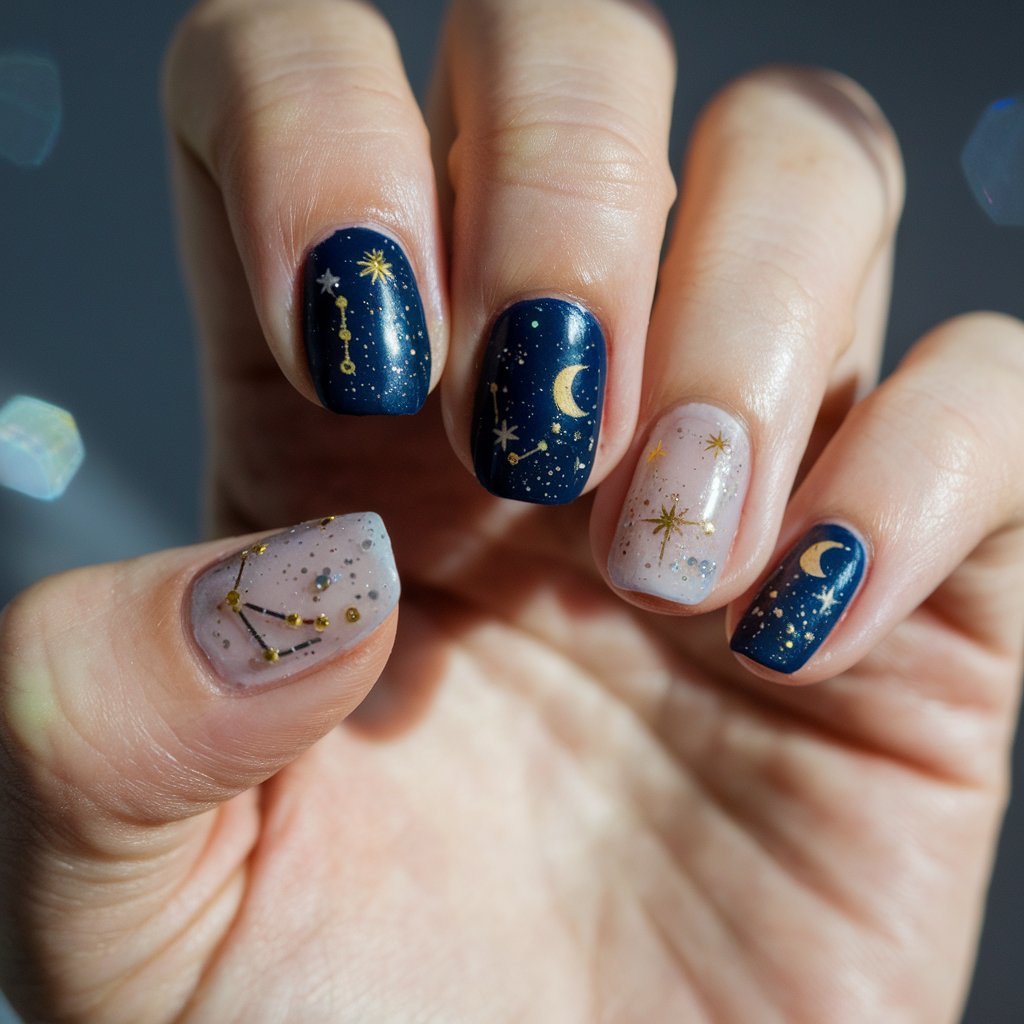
(556, 807)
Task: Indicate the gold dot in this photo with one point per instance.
(789, 643)
(294, 619)
(233, 599)
(270, 654)
(327, 519)
(345, 335)
(542, 446)
(321, 623)
(258, 549)
(709, 528)
(556, 428)
(351, 614)
(494, 389)
(512, 458)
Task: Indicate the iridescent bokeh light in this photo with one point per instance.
(30, 108)
(993, 161)
(40, 447)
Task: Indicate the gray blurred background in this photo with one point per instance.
(94, 317)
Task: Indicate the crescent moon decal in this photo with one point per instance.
(562, 391)
(810, 560)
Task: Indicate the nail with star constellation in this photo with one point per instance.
(294, 600)
(538, 404)
(802, 601)
(365, 333)
(683, 508)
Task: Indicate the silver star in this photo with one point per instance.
(505, 434)
(327, 282)
(827, 599)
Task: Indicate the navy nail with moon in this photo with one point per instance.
(802, 600)
(366, 336)
(539, 401)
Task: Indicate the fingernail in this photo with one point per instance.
(295, 600)
(366, 336)
(683, 508)
(539, 401)
(801, 602)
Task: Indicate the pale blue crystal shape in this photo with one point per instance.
(40, 447)
(30, 108)
(993, 161)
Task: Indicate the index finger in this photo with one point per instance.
(305, 180)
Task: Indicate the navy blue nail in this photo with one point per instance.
(538, 404)
(366, 337)
(802, 600)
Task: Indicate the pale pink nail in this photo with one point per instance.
(683, 508)
(295, 599)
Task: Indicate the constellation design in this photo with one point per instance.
(321, 623)
(347, 366)
(505, 433)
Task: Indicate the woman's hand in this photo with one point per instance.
(554, 805)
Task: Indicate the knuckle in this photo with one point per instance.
(583, 157)
(240, 81)
(820, 122)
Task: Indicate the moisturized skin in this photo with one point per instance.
(683, 507)
(366, 336)
(295, 599)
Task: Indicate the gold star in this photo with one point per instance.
(373, 263)
(670, 522)
(716, 443)
(657, 452)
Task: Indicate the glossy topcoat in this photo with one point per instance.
(365, 333)
(539, 401)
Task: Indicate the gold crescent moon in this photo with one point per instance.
(810, 560)
(562, 391)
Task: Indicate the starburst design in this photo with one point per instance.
(657, 452)
(373, 263)
(669, 522)
(716, 443)
(505, 433)
(827, 599)
(327, 281)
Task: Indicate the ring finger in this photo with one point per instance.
(769, 318)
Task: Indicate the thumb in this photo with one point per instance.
(143, 693)
(133, 697)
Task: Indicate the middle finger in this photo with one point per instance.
(561, 190)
